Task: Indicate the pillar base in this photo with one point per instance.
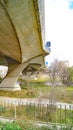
(9, 85)
(16, 88)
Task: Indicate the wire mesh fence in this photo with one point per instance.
(53, 113)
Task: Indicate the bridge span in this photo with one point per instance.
(22, 38)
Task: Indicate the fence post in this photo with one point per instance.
(60, 113)
(56, 114)
(70, 114)
(65, 114)
(15, 117)
(34, 111)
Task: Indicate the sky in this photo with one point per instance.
(59, 29)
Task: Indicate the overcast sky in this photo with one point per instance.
(59, 29)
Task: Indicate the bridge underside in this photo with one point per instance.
(21, 39)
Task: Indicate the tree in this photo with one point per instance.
(53, 71)
(63, 71)
(59, 69)
(70, 78)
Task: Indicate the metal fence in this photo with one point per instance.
(50, 112)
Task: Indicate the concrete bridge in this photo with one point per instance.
(22, 39)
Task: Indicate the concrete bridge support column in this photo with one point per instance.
(10, 81)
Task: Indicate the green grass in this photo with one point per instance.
(34, 90)
(29, 90)
(28, 126)
(9, 126)
(39, 113)
(45, 114)
(18, 94)
(70, 88)
(39, 79)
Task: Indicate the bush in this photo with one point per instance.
(10, 126)
(27, 126)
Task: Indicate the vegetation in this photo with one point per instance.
(9, 126)
(70, 70)
(37, 89)
(30, 111)
(45, 114)
(29, 90)
(27, 126)
(40, 90)
(57, 71)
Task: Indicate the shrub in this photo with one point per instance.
(10, 126)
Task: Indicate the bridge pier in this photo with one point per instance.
(22, 37)
(9, 83)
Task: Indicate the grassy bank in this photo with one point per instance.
(34, 90)
(27, 126)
